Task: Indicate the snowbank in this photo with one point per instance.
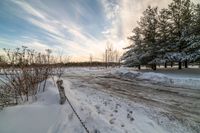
(101, 113)
(184, 79)
(45, 115)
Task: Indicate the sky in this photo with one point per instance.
(75, 28)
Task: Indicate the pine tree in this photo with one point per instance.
(132, 56)
(180, 15)
(148, 26)
(187, 23)
(164, 33)
(173, 35)
(193, 48)
(196, 28)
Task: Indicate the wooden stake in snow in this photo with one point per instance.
(61, 91)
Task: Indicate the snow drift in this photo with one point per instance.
(186, 81)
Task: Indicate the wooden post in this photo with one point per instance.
(61, 91)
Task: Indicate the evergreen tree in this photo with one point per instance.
(173, 35)
(164, 34)
(196, 26)
(193, 48)
(132, 56)
(148, 25)
(180, 15)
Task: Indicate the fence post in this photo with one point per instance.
(61, 91)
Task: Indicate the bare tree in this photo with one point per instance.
(91, 58)
(48, 51)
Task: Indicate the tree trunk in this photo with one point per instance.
(186, 64)
(154, 67)
(165, 65)
(139, 67)
(179, 65)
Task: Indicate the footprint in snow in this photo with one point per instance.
(98, 109)
(117, 105)
(115, 110)
(112, 121)
(105, 103)
(129, 116)
(70, 116)
(122, 125)
(96, 131)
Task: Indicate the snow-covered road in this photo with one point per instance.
(175, 109)
(107, 103)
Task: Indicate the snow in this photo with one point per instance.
(100, 111)
(106, 113)
(188, 78)
(42, 116)
(158, 77)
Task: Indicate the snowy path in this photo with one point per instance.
(106, 103)
(174, 108)
(106, 113)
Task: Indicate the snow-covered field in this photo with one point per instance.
(92, 93)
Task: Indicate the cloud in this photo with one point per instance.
(79, 28)
(29, 9)
(113, 33)
(123, 16)
(37, 45)
(132, 11)
(46, 25)
(79, 42)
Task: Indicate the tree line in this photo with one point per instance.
(167, 36)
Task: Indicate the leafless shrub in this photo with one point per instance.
(24, 72)
(59, 70)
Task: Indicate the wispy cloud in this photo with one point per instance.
(29, 9)
(78, 28)
(66, 34)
